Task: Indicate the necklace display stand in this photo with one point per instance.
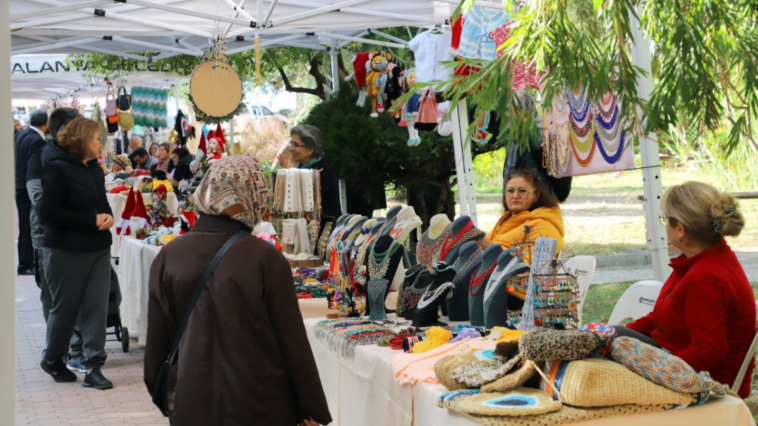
(434, 296)
(390, 220)
(462, 231)
(377, 295)
(497, 302)
(415, 291)
(384, 261)
(469, 259)
(479, 281)
(427, 251)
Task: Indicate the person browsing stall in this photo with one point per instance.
(307, 149)
(181, 158)
(155, 150)
(76, 254)
(245, 337)
(143, 160)
(705, 313)
(164, 158)
(527, 204)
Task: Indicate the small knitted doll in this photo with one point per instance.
(159, 212)
(411, 111)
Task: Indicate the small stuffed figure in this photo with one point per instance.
(482, 136)
(186, 220)
(159, 212)
(215, 152)
(374, 86)
(445, 127)
(411, 111)
(394, 89)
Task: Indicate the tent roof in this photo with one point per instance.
(175, 27)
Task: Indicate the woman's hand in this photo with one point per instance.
(283, 161)
(104, 221)
(308, 422)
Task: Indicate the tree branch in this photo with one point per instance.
(318, 91)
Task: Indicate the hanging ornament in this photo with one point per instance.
(215, 86)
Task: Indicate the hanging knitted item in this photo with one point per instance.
(126, 214)
(140, 212)
(179, 128)
(219, 135)
(202, 145)
(149, 106)
(427, 113)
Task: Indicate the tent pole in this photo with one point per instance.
(457, 147)
(468, 164)
(59, 9)
(68, 42)
(651, 163)
(232, 148)
(335, 65)
(7, 237)
(362, 40)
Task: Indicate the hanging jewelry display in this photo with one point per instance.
(297, 195)
(556, 298)
(562, 148)
(609, 136)
(215, 87)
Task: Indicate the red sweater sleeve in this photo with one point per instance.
(705, 317)
(644, 325)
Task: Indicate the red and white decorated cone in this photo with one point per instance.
(123, 222)
(219, 135)
(141, 212)
(201, 146)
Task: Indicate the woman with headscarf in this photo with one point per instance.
(244, 357)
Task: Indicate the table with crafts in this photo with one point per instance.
(134, 277)
(117, 203)
(363, 391)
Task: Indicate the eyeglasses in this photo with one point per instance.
(521, 192)
(664, 220)
(296, 145)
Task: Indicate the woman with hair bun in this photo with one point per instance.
(705, 313)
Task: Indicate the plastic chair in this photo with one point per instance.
(636, 302)
(584, 268)
(746, 362)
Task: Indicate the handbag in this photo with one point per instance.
(124, 99)
(110, 102)
(160, 392)
(125, 120)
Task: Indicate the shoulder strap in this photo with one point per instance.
(199, 288)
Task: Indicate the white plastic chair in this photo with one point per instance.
(584, 268)
(636, 302)
(745, 363)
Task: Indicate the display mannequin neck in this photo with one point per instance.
(490, 257)
(383, 243)
(505, 258)
(460, 223)
(367, 225)
(465, 252)
(353, 220)
(341, 220)
(376, 228)
(437, 224)
(405, 213)
(392, 212)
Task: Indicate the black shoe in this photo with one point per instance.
(95, 379)
(27, 271)
(58, 370)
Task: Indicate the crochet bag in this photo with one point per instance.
(661, 367)
(512, 380)
(545, 345)
(125, 120)
(443, 369)
(427, 113)
(599, 382)
(110, 103)
(518, 402)
(486, 371)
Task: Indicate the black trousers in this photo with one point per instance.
(25, 249)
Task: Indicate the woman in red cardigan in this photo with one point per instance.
(705, 313)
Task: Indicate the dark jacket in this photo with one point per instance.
(330, 191)
(34, 188)
(73, 194)
(244, 358)
(559, 187)
(183, 168)
(25, 143)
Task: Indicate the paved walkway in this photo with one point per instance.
(748, 258)
(42, 402)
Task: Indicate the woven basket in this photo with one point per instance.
(598, 382)
(513, 380)
(566, 415)
(443, 369)
(518, 402)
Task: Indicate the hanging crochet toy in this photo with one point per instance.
(159, 212)
(482, 136)
(445, 127)
(411, 111)
(376, 80)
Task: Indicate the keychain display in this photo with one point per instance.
(556, 298)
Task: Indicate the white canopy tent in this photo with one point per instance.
(172, 27)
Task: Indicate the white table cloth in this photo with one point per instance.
(117, 203)
(362, 391)
(133, 277)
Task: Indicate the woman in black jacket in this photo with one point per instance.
(76, 250)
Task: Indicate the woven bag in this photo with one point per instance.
(598, 382)
(125, 120)
(518, 402)
(486, 371)
(512, 380)
(443, 369)
(546, 345)
(661, 367)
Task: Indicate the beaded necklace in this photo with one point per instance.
(574, 141)
(477, 282)
(466, 268)
(448, 244)
(608, 124)
(413, 294)
(579, 115)
(562, 148)
(428, 247)
(559, 106)
(428, 297)
(497, 277)
(585, 130)
(611, 159)
(379, 263)
(585, 145)
(607, 113)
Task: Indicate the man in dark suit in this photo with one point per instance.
(26, 142)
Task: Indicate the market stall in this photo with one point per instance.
(117, 203)
(362, 390)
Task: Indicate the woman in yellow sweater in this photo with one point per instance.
(526, 203)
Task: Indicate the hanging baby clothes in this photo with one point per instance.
(476, 42)
(427, 113)
(430, 50)
(456, 29)
(522, 76)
